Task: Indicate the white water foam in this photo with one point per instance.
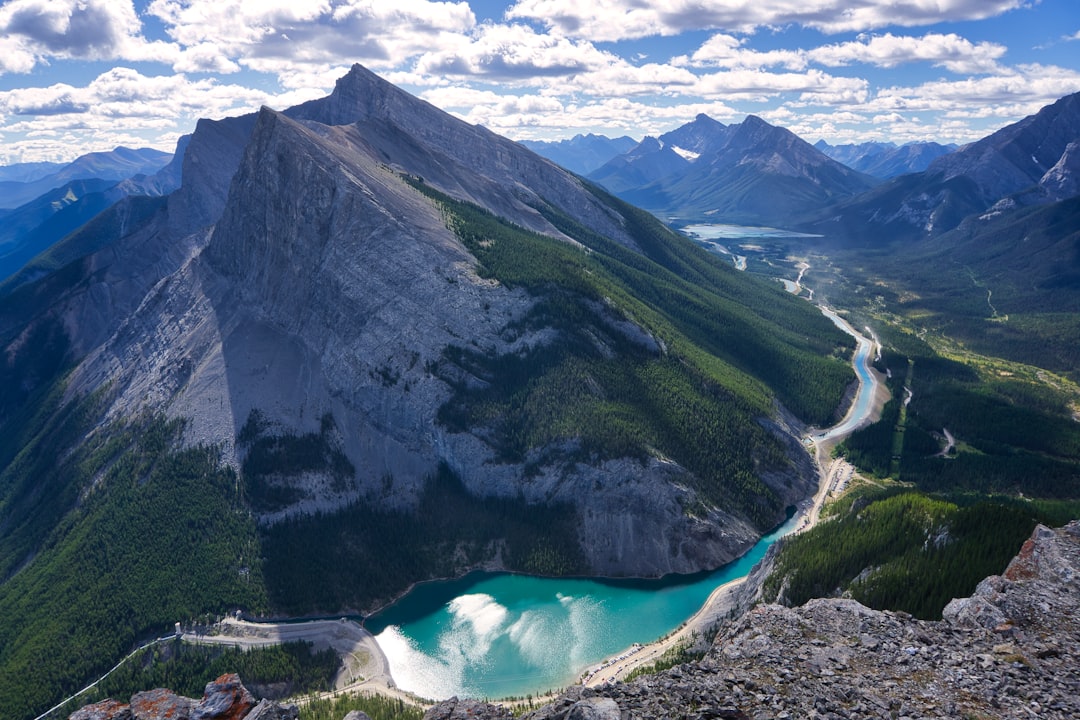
(419, 673)
(476, 621)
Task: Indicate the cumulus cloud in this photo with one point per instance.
(34, 31)
(813, 85)
(610, 20)
(119, 102)
(950, 51)
(1027, 86)
(273, 35)
(512, 53)
(727, 51)
(536, 117)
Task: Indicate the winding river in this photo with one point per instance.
(500, 635)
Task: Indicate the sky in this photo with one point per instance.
(85, 75)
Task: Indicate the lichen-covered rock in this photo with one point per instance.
(224, 699)
(105, 710)
(161, 704)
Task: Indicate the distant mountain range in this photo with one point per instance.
(751, 172)
(119, 164)
(885, 160)
(75, 193)
(582, 153)
(1031, 162)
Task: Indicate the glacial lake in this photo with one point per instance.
(496, 635)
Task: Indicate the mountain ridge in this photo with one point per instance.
(751, 172)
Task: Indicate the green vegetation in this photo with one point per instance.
(902, 550)
(369, 556)
(135, 535)
(718, 345)
(271, 458)
(1015, 435)
(678, 655)
(377, 707)
(273, 672)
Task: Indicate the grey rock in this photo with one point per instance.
(268, 710)
(160, 703)
(104, 710)
(834, 658)
(595, 708)
(356, 715)
(224, 699)
(455, 709)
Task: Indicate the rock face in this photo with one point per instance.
(1011, 650)
(225, 698)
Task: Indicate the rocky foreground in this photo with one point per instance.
(1011, 650)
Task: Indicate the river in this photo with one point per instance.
(500, 635)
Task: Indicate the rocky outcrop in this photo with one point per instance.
(225, 698)
(1011, 650)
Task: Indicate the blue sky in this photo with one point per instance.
(83, 75)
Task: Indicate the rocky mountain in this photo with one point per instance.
(1030, 162)
(582, 153)
(751, 172)
(28, 171)
(363, 307)
(115, 165)
(885, 160)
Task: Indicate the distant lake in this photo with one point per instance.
(496, 634)
(740, 232)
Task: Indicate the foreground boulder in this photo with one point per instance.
(225, 698)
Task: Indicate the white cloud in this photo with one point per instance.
(1028, 86)
(277, 36)
(949, 51)
(609, 20)
(726, 51)
(513, 53)
(813, 85)
(35, 31)
(119, 106)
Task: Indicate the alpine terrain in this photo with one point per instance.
(362, 345)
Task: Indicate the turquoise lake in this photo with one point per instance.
(496, 635)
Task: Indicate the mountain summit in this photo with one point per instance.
(751, 172)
